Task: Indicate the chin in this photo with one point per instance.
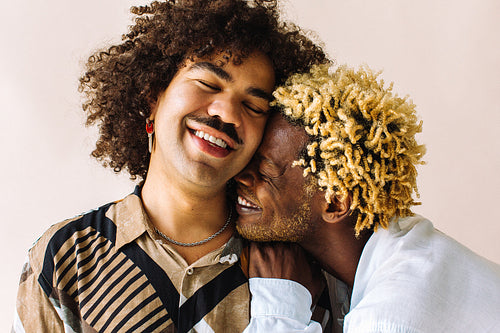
(253, 232)
(264, 233)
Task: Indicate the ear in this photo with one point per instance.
(153, 105)
(337, 209)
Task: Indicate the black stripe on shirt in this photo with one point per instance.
(71, 250)
(97, 275)
(104, 294)
(85, 261)
(96, 219)
(138, 308)
(208, 296)
(151, 327)
(96, 289)
(191, 312)
(130, 297)
(156, 276)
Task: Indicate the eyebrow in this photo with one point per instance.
(257, 92)
(263, 159)
(214, 69)
(221, 73)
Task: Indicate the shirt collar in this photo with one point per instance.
(232, 251)
(132, 221)
(130, 218)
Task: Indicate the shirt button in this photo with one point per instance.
(190, 271)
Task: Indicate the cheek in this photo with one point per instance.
(179, 100)
(254, 131)
(287, 199)
(270, 201)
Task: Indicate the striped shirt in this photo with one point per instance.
(107, 271)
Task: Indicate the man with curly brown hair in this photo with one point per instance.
(336, 172)
(181, 105)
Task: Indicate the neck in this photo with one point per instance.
(187, 214)
(336, 248)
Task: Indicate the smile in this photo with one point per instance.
(207, 137)
(246, 204)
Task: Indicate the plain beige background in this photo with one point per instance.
(444, 54)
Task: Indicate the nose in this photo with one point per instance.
(247, 176)
(227, 109)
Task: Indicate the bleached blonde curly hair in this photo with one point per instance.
(362, 140)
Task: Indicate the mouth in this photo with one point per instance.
(211, 141)
(211, 135)
(216, 142)
(246, 206)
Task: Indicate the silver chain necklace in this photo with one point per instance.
(199, 242)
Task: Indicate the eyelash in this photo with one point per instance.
(256, 111)
(265, 178)
(209, 85)
(215, 88)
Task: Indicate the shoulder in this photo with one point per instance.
(362, 324)
(71, 232)
(414, 246)
(414, 241)
(416, 276)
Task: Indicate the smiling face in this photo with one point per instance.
(210, 119)
(275, 201)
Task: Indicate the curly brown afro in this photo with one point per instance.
(122, 83)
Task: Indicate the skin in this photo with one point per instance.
(276, 205)
(184, 193)
(294, 265)
(270, 190)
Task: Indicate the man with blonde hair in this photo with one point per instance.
(336, 172)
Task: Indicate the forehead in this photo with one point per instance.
(282, 142)
(257, 64)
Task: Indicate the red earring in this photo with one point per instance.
(150, 129)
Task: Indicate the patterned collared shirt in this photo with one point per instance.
(107, 271)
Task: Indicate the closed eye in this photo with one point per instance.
(209, 86)
(255, 110)
(269, 170)
(265, 177)
(270, 180)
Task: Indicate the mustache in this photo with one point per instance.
(219, 125)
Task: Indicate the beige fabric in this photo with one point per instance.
(99, 283)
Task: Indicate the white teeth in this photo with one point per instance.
(243, 202)
(212, 139)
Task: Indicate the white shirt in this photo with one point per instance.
(410, 278)
(280, 306)
(413, 278)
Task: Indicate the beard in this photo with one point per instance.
(294, 227)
